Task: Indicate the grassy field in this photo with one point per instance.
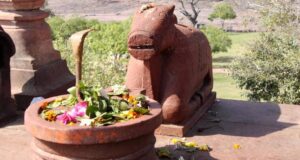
(224, 85)
(239, 45)
(226, 88)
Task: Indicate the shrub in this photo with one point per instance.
(223, 11)
(218, 39)
(270, 71)
(105, 58)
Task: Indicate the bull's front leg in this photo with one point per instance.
(135, 70)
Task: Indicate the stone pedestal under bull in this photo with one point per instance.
(171, 61)
(7, 49)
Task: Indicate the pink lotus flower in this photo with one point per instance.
(66, 118)
(79, 109)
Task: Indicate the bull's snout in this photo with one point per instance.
(141, 46)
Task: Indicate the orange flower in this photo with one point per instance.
(50, 115)
(132, 114)
(44, 105)
(125, 96)
(131, 99)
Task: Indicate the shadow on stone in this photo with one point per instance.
(7, 104)
(176, 154)
(242, 118)
(47, 81)
(16, 120)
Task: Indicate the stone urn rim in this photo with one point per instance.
(21, 4)
(65, 134)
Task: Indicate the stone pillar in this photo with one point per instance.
(7, 49)
(37, 68)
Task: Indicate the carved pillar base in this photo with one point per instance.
(37, 68)
(49, 80)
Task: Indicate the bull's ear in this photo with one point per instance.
(171, 8)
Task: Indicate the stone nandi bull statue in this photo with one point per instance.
(171, 61)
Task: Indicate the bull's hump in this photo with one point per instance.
(186, 29)
(185, 33)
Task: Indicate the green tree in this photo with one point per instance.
(270, 71)
(218, 39)
(223, 11)
(104, 60)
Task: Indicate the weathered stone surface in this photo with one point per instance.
(37, 68)
(171, 61)
(7, 49)
(21, 4)
(129, 140)
(265, 131)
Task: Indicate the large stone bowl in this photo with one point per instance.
(130, 140)
(21, 4)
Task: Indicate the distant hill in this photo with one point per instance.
(116, 10)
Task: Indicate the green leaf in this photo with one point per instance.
(141, 110)
(72, 91)
(141, 97)
(107, 115)
(70, 101)
(123, 105)
(103, 104)
(163, 153)
(118, 90)
(91, 111)
(54, 104)
(114, 105)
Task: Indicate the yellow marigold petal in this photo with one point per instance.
(59, 99)
(204, 147)
(236, 146)
(135, 102)
(50, 115)
(190, 144)
(175, 140)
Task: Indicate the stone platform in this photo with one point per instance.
(265, 131)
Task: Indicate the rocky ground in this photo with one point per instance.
(116, 10)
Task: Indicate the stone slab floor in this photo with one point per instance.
(265, 131)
